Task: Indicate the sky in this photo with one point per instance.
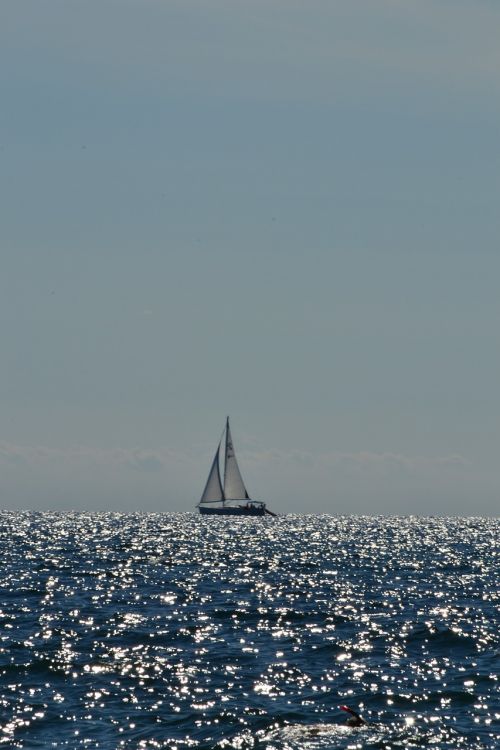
(287, 212)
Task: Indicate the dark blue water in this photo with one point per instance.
(178, 631)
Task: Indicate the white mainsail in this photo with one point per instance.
(213, 492)
(234, 489)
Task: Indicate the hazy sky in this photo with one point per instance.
(283, 211)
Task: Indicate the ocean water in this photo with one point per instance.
(181, 631)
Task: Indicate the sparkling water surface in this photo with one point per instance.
(180, 631)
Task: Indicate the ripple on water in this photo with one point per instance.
(162, 631)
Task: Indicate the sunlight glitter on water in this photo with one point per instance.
(146, 630)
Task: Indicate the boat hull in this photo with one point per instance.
(234, 511)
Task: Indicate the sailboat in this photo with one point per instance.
(232, 499)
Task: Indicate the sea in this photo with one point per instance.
(184, 631)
